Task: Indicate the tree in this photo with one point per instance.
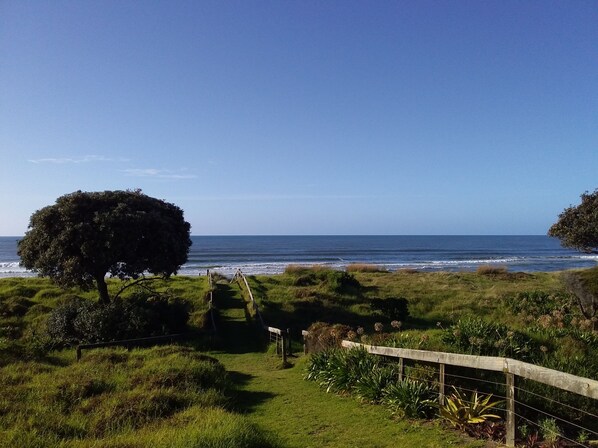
(583, 285)
(577, 227)
(86, 235)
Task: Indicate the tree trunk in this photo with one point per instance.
(102, 289)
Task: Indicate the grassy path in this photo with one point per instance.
(297, 412)
(303, 416)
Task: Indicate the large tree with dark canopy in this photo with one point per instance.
(577, 226)
(85, 236)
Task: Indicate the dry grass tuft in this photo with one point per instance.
(487, 269)
(301, 269)
(365, 267)
(408, 271)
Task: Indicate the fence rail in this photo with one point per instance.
(280, 337)
(510, 367)
(565, 381)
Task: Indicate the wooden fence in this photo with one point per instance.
(211, 309)
(510, 367)
(281, 337)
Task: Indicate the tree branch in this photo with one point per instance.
(139, 282)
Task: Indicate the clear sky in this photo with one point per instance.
(304, 117)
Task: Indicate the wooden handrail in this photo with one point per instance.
(561, 380)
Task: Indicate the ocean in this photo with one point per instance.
(271, 254)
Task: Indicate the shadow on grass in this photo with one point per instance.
(245, 401)
(306, 312)
(238, 332)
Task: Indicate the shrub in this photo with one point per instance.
(341, 282)
(461, 411)
(478, 337)
(337, 281)
(392, 308)
(305, 280)
(409, 398)
(371, 385)
(322, 336)
(550, 432)
(539, 303)
(80, 320)
(339, 370)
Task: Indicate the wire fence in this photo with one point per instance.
(536, 403)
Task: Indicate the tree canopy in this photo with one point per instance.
(85, 236)
(577, 227)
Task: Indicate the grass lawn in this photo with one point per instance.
(297, 412)
(301, 415)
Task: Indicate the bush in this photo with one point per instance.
(478, 337)
(339, 370)
(79, 320)
(337, 281)
(391, 308)
(323, 336)
(539, 303)
(463, 411)
(371, 386)
(341, 282)
(360, 373)
(409, 398)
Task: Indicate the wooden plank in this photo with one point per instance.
(454, 359)
(274, 330)
(561, 380)
(565, 381)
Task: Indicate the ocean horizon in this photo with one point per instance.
(271, 254)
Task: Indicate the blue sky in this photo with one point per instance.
(304, 117)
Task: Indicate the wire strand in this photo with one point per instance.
(558, 434)
(555, 401)
(556, 418)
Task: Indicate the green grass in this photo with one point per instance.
(292, 300)
(303, 416)
(169, 396)
(176, 397)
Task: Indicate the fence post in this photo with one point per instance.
(283, 342)
(441, 385)
(78, 353)
(401, 369)
(510, 438)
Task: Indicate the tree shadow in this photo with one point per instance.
(245, 401)
(235, 334)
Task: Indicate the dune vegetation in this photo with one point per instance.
(230, 390)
